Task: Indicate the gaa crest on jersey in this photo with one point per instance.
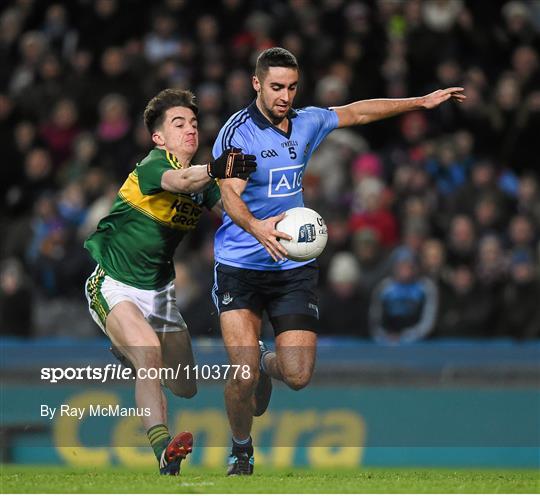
(285, 181)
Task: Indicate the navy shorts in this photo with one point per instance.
(288, 296)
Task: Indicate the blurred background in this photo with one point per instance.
(449, 199)
(446, 202)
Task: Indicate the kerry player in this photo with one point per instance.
(131, 292)
(252, 274)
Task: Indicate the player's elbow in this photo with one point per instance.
(361, 119)
(229, 195)
(188, 186)
(232, 187)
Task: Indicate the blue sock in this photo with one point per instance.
(263, 356)
(245, 443)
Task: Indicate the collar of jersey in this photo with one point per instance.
(263, 123)
(171, 158)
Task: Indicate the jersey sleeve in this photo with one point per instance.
(149, 174)
(232, 135)
(212, 195)
(324, 122)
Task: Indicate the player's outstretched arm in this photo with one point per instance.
(263, 230)
(366, 111)
(231, 163)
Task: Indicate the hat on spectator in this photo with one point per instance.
(343, 268)
(515, 8)
(367, 164)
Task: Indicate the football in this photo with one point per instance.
(308, 231)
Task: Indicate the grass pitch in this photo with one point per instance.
(45, 479)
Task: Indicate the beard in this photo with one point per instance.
(275, 118)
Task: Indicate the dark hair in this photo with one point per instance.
(274, 57)
(163, 101)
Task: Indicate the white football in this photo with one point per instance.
(308, 231)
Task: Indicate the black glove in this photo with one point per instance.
(232, 163)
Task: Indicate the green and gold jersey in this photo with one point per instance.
(135, 243)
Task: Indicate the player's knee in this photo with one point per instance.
(146, 356)
(297, 381)
(189, 392)
(245, 385)
(186, 390)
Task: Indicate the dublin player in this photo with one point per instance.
(252, 274)
(131, 293)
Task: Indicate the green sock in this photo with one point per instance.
(159, 438)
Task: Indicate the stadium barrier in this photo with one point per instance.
(431, 404)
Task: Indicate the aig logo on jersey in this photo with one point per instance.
(285, 181)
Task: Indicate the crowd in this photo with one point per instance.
(434, 217)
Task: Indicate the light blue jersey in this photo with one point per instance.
(276, 185)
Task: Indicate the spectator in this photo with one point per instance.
(483, 183)
(38, 179)
(473, 115)
(71, 204)
(116, 78)
(526, 68)
(373, 213)
(517, 28)
(11, 23)
(98, 209)
(525, 154)
(162, 42)
(80, 85)
(32, 47)
(415, 232)
(404, 306)
(238, 90)
(520, 311)
(16, 301)
(40, 98)
(193, 304)
(57, 30)
(465, 309)
(521, 233)
(446, 171)
(19, 141)
(433, 260)
(114, 135)
(343, 306)
(374, 263)
(339, 240)
(461, 241)
(487, 215)
(83, 157)
(528, 200)
(114, 25)
(61, 131)
(491, 267)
